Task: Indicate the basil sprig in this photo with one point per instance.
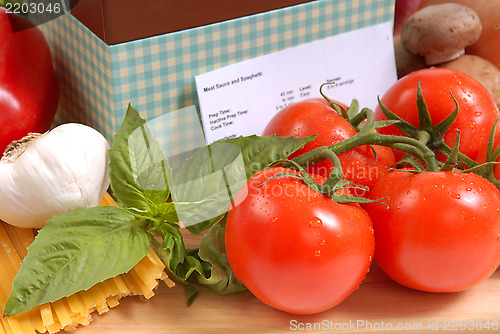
(81, 248)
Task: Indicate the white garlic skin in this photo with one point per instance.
(62, 170)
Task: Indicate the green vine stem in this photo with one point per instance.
(468, 162)
(369, 136)
(420, 144)
(332, 187)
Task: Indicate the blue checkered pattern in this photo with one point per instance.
(156, 74)
(82, 62)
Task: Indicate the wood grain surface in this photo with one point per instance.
(378, 306)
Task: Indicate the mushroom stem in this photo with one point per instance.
(438, 58)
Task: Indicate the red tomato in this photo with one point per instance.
(441, 232)
(295, 249)
(477, 109)
(28, 85)
(311, 117)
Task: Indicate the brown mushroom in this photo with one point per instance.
(441, 32)
(405, 61)
(480, 69)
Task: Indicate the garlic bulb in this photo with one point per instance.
(44, 175)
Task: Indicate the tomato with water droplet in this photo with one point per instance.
(477, 109)
(439, 239)
(301, 259)
(363, 165)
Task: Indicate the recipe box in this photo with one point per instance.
(156, 74)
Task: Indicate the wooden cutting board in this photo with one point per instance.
(379, 305)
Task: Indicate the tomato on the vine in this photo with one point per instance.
(292, 247)
(477, 109)
(309, 117)
(29, 91)
(441, 231)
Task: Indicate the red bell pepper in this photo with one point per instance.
(29, 90)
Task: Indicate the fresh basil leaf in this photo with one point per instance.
(173, 252)
(206, 184)
(260, 151)
(75, 251)
(205, 225)
(166, 211)
(181, 262)
(206, 266)
(221, 279)
(139, 169)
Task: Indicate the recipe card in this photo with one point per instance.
(240, 99)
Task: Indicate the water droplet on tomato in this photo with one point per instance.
(472, 124)
(317, 253)
(456, 196)
(274, 220)
(477, 113)
(468, 189)
(315, 222)
(322, 243)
